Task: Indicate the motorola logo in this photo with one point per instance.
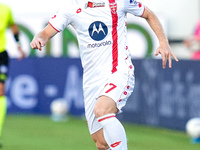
(98, 30)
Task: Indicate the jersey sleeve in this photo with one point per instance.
(134, 7)
(10, 17)
(61, 19)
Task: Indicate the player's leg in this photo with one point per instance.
(113, 131)
(3, 77)
(2, 112)
(99, 140)
(2, 109)
(111, 100)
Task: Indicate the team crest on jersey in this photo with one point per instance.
(113, 7)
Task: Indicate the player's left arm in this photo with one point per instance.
(15, 31)
(164, 48)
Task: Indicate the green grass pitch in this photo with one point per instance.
(28, 132)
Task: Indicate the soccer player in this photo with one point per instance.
(108, 78)
(6, 20)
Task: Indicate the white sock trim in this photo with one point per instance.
(102, 118)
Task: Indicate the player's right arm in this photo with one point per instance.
(43, 37)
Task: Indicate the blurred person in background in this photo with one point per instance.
(108, 78)
(6, 21)
(193, 43)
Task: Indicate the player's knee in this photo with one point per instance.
(104, 106)
(99, 111)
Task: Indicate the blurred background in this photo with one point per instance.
(162, 98)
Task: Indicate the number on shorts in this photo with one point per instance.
(112, 87)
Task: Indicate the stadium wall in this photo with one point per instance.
(162, 97)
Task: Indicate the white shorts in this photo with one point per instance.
(118, 86)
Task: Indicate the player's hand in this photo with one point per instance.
(37, 43)
(166, 54)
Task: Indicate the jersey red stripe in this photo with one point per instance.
(54, 27)
(113, 7)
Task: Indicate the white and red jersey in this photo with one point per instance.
(101, 33)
